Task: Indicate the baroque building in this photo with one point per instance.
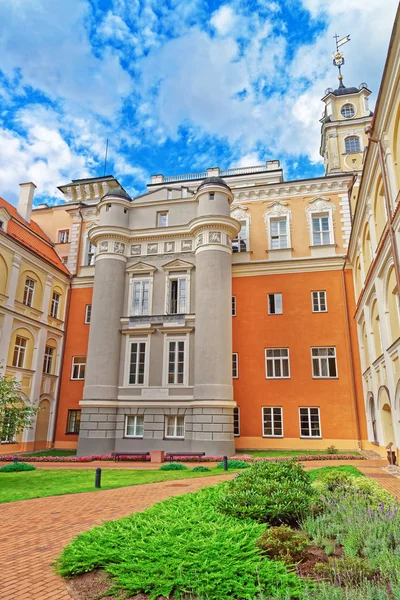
(34, 286)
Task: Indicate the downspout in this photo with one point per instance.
(353, 382)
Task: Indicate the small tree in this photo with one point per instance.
(15, 415)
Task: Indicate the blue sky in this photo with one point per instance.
(176, 86)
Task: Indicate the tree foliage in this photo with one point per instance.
(15, 414)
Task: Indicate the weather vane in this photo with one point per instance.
(338, 58)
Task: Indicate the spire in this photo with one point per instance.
(338, 58)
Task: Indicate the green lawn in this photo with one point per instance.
(53, 453)
(49, 482)
(346, 469)
(274, 453)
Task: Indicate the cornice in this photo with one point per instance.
(294, 265)
(293, 189)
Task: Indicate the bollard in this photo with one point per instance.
(15, 459)
(225, 461)
(97, 480)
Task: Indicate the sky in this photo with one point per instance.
(176, 86)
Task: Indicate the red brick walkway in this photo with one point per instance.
(33, 532)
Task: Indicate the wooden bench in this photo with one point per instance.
(117, 455)
(171, 455)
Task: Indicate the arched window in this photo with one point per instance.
(376, 329)
(365, 346)
(373, 419)
(347, 111)
(366, 248)
(392, 305)
(380, 217)
(352, 144)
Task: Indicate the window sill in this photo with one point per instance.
(316, 312)
(71, 433)
(77, 379)
(311, 437)
(279, 378)
(169, 437)
(132, 437)
(317, 378)
(273, 436)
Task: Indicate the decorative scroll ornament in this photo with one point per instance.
(319, 204)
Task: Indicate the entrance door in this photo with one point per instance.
(42, 425)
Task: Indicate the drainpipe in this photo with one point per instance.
(353, 382)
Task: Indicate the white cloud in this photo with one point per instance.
(223, 19)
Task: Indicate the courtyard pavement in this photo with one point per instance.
(33, 532)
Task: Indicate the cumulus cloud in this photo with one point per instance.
(223, 19)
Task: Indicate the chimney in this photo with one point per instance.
(24, 207)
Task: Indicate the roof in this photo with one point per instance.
(32, 237)
(214, 180)
(119, 192)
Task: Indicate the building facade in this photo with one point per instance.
(34, 288)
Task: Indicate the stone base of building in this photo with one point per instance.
(18, 447)
(208, 430)
(260, 443)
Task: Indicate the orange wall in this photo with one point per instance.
(75, 345)
(298, 328)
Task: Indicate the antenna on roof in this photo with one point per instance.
(338, 58)
(105, 159)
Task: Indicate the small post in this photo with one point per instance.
(225, 461)
(97, 480)
(15, 460)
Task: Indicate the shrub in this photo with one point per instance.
(173, 467)
(16, 467)
(332, 450)
(200, 469)
(235, 464)
(333, 479)
(269, 492)
(345, 571)
(284, 544)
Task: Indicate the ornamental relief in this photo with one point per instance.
(152, 248)
(199, 240)
(119, 247)
(103, 247)
(215, 237)
(169, 246)
(136, 250)
(186, 245)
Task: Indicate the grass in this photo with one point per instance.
(182, 547)
(346, 469)
(275, 453)
(56, 482)
(53, 453)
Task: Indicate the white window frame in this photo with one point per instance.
(352, 137)
(88, 314)
(141, 281)
(64, 260)
(325, 358)
(79, 368)
(280, 219)
(177, 276)
(236, 415)
(160, 215)
(235, 365)
(48, 360)
(21, 352)
(135, 426)
(273, 434)
(60, 236)
(318, 297)
(309, 408)
(321, 215)
(236, 243)
(29, 291)
(137, 340)
(281, 302)
(55, 305)
(88, 247)
(167, 340)
(279, 359)
(233, 306)
(175, 427)
(352, 106)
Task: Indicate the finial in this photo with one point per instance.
(338, 58)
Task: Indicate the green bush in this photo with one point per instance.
(332, 450)
(333, 479)
(235, 464)
(200, 469)
(284, 544)
(345, 571)
(16, 467)
(269, 492)
(181, 548)
(173, 467)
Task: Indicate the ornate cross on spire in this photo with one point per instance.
(338, 58)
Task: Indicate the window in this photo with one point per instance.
(140, 296)
(235, 365)
(319, 301)
(277, 363)
(162, 219)
(309, 422)
(241, 241)
(279, 234)
(1, 224)
(48, 360)
(272, 421)
(212, 196)
(233, 306)
(321, 230)
(64, 260)
(90, 254)
(175, 426)
(347, 111)
(78, 367)
(352, 144)
(55, 304)
(324, 362)
(275, 304)
(73, 421)
(236, 421)
(177, 296)
(19, 352)
(88, 313)
(63, 236)
(137, 363)
(176, 362)
(134, 426)
(28, 291)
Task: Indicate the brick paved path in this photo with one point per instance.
(33, 532)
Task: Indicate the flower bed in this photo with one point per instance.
(108, 457)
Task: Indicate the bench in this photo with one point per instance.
(171, 455)
(117, 455)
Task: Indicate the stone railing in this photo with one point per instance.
(156, 319)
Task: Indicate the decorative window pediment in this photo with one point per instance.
(240, 212)
(178, 265)
(277, 222)
(141, 267)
